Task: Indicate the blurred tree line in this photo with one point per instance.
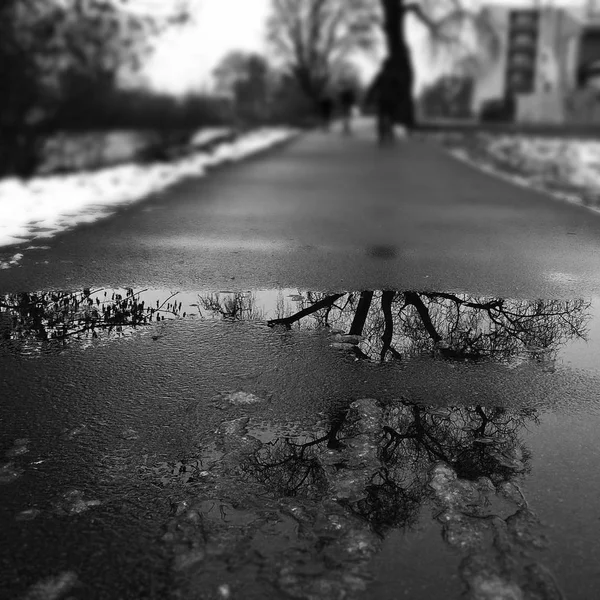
(61, 63)
(117, 108)
(261, 92)
(312, 38)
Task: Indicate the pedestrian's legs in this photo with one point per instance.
(381, 128)
(390, 129)
(385, 128)
(347, 115)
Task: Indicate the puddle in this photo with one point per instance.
(382, 252)
(379, 326)
(331, 499)
(288, 443)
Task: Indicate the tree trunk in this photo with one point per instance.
(414, 299)
(394, 12)
(362, 311)
(386, 306)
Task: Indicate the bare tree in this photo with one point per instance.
(247, 78)
(452, 27)
(313, 38)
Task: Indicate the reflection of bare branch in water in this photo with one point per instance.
(291, 466)
(387, 298)
(289, 469)
(389, 504)
(388, 462)
(238, 306)
(58, 316)
(361, 313)
(280, 309)
(322, 307)
(475, 441)
(504, 327)
(374, 467)
(397, 325)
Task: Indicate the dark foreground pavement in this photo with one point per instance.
(329, 212)
(450, 448)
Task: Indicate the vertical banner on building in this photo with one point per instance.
(523, 36)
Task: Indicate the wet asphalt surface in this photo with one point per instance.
(228, 451)
(329, 213)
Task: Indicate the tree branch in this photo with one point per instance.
(362, 310)
(386, 307)
(289, 321)
(414, 299)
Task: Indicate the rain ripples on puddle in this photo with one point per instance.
(285, 443)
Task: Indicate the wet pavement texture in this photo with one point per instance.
(328, 212)
(292, 444)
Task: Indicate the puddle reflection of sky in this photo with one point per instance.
(380, 326)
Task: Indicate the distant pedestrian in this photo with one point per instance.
(347, 100)
(326, 110)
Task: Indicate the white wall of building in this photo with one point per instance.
(490, 76)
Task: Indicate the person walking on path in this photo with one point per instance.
(326, 111)
(347, 99)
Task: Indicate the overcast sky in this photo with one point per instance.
(186, 57)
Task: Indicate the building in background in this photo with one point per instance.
(589, 47)
(548, 66)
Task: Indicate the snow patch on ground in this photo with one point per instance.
(12, 261)
(206, 136)
(572, 161)
(566, 168)
(44, 206)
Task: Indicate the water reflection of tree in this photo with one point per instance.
(59, 316)
(292, 466)
(391, 450)
(235, 306)
(475, 441)
(322, 503)
(319, 506)
(397, 325)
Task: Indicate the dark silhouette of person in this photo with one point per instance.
(384, 95)
(347, 99)
(326, 110)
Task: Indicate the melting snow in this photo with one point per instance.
(568, 169)
(569, 160)
(45, 206)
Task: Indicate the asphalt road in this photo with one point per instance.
(329, 212)
(95, 425)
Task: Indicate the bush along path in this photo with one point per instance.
(264, 511)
